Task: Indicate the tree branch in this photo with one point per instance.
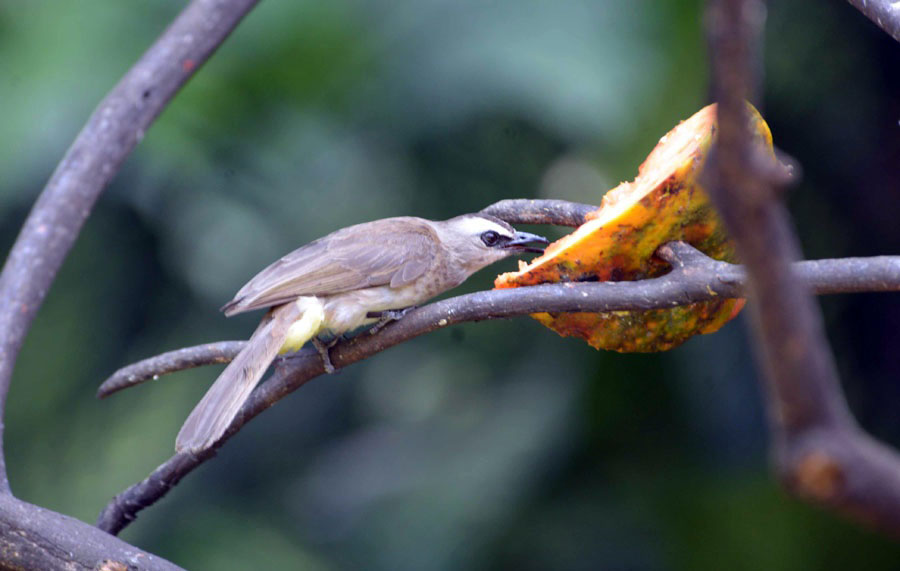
(170, 362)
(885, 13)
(527, 211)
(32, 537)
(819, 452)
(113, 130)
(694, 278)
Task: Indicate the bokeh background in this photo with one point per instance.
(487, 446)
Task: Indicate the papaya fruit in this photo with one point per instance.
(665, 202)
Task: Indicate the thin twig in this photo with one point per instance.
(528, 211)
(114, 129)
(694, 278)
(819, 452)
(170, 362)
(885, 13)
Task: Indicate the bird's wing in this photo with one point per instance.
(352, 258)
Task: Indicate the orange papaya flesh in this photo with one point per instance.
(617, 242)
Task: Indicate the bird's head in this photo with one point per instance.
(479, 240)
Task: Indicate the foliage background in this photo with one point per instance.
(488, 446)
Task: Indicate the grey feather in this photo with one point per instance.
(409, 272)
(392, 251)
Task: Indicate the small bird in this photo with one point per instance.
(338, 283)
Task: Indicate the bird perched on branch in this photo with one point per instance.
(338, 283)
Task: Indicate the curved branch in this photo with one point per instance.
(110, 134)
(170, 362)
(819, 452)
(32, 537)
(694, 278)
(528, 211)
(885, 13)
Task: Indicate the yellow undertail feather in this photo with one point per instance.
(306, 327)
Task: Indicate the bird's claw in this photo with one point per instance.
(323, 347)
(385, 317)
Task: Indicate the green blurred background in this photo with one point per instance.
(487, 446)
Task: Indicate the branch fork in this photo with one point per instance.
(694, 277)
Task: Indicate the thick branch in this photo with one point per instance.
(885, 13)
(32, 537)
(694, 278)
(820, 453)
(110, 134)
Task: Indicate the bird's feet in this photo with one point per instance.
(385, 317)
(322, 347)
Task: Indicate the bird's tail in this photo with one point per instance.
(292, 323)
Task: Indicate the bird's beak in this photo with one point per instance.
(522, 240)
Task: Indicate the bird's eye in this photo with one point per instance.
(490, 238)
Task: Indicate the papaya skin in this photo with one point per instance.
(665, 202)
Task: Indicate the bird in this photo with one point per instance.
(360, 275)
